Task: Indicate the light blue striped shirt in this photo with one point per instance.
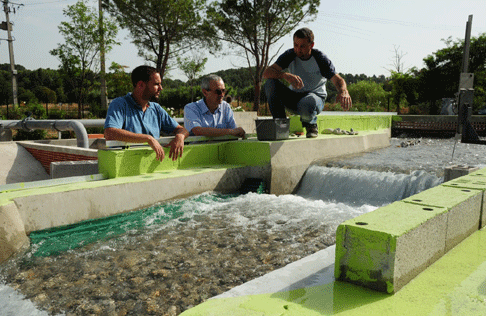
(197, 114)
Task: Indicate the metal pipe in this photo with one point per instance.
(78, 126)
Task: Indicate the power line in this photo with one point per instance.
(361, 18)
(46, 2)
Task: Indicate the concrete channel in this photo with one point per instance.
(133, 178)
(386, 262)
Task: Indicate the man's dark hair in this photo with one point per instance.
(305, 33)
(142, 73)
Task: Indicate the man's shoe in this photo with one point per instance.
(312, 130)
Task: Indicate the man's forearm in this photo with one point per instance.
(339, 83)
(211, 131)
(273, 72)
(125, 136)
(181, 131)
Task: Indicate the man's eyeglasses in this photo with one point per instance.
(219, 91)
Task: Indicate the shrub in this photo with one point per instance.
(56, 114)
(30, 135)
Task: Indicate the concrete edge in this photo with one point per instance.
(12, 233)
(60, 149)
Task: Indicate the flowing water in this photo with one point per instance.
(169, 257)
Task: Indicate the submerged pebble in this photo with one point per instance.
(183, 266)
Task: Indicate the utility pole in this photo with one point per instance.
(104, 94)
(8, 27)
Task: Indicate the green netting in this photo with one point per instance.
(55, 240)
(255, 185)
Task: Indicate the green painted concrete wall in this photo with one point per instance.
(137, 161)
(346, 122)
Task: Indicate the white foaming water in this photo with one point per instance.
(358, 187)
(326, 198)
(13, 304)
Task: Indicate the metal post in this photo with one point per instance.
(11, 53)
(104, 94)
(467, 44)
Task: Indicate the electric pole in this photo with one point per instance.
(104, 94)
(8, 27)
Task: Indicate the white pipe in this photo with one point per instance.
(78, 126)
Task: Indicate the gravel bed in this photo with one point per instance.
(163, 273)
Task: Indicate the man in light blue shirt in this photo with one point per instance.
(135, 118)
(211, 116)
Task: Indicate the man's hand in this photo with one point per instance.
(294, 80)
(159, 150)
(344, 98)
(176, 147)
(238, 132)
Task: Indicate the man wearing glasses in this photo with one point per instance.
(211, 116)
(135, 118)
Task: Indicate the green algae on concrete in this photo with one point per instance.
(464, 205)
(379, 249)
(453, 285)
(475, 181)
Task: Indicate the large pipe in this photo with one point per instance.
(78, 126)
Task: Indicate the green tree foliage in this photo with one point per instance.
(79, 53)
(404, 87)
(192, 67)
(239, 78)
(252, 27)
(161, 29)
(118, 81)
(177, 98)
(368, 95)
(5, 87)
(45, 95)
(440, 77)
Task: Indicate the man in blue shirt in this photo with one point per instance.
(211, 116)
(135, 118)
(308, 71)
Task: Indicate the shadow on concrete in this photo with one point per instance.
(18, 165)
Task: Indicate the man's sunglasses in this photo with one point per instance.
(219, 91)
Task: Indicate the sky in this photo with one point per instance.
(359, 36)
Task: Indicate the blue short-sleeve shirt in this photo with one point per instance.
(198, 114)
(124, 113)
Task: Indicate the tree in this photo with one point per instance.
(161, 29)
(46, 95)
(192, 68)
(254, 26)
(118, 82)
(397, 61)
(369, 93)
(79, 54)
(440, 77)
